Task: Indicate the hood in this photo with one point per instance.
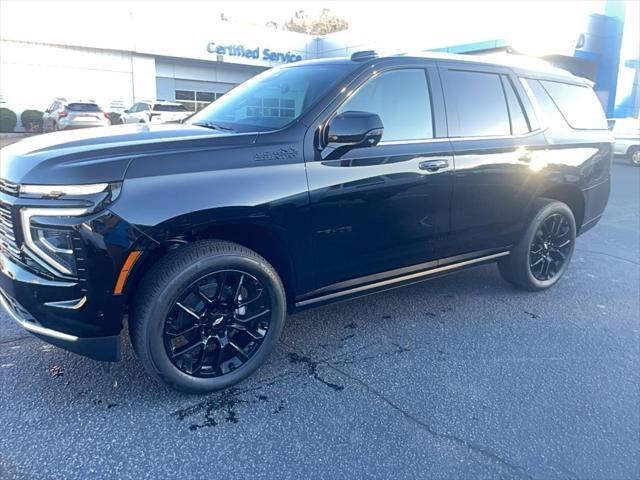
(96, 155)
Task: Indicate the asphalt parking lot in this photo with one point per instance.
(460, 377)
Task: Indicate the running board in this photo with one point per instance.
(395, 282)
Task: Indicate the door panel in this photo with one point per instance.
(493, 133)
(379, 208)
(493, 186)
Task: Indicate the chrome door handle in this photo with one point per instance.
(433, 165)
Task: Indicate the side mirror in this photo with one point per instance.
(127, 111)
(355, 129)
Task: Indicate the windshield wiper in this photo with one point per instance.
(214, 126)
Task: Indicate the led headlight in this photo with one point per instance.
(51, 244)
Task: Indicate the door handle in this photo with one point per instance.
(433, 165)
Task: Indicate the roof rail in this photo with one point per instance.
(364, 55)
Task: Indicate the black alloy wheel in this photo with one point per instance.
(207, 315)
(550, 248)
(542, 254)
(217, 323)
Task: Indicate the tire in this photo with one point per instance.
(176, 288)
(538, 249)
(633, 154)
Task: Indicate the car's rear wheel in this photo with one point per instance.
(541, 256)
(634, 156)
(207, 315)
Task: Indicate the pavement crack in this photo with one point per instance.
(472, 446)
(581, 250)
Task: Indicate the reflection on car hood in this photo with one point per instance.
(100, 154)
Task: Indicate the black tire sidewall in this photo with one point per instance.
(527, 240)
(630, 153)
(168, 295)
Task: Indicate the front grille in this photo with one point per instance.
(8, 245)
(8, 187)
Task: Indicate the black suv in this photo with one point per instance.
(310, 183)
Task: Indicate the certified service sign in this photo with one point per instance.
(256, 53)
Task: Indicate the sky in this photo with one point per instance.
(533, 26)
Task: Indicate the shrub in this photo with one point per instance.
(31, 120)
(8, 120)
(114, 118)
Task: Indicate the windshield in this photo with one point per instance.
(272, 99)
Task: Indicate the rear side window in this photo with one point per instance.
(401, 99)
(83, 107)
(478, 101)
(519, 123)
(169, 108)
(578, 104)
(566, 104)
(552, 116)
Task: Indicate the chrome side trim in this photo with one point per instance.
(462, 139)
(393, 281)
(68, 304)
(33, 328)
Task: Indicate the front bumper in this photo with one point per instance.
(80, 313)
(99, 348)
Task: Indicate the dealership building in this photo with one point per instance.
(134, 64)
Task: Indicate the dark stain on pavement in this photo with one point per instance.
(219, 408)
(312, 369)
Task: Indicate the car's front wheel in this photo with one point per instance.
(541, 256)
(207, 315)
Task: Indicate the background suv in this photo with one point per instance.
(63, 114)
(310, 183)
(155, 112)
(627, 133)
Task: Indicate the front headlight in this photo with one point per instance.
(53, 245)
(44, 231)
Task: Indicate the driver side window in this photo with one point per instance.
(401, 99)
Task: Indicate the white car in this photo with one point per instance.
(627, 133)
(155, 112)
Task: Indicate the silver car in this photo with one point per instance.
(627, 133)
(63, 114)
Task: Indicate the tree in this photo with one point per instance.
(298, 23)
(326, 23)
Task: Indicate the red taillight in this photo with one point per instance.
(106, 115)
(63, 114)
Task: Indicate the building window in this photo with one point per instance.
(196, 101)
(271, 107)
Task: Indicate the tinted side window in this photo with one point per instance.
(143, 106)
(519, 124)
(479, 102)
(401, 98)
(578, 104)
(552, 116)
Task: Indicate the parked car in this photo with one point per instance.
(627, 142)
(64, 115)
(311, 183)
(155, 112)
